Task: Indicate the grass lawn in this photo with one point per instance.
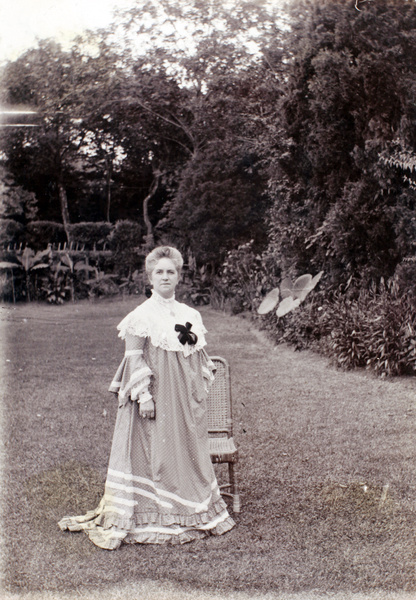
(327, 470)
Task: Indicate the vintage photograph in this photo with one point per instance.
(208, 300)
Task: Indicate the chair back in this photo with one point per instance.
(219, 399)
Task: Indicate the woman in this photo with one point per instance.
(160, 486)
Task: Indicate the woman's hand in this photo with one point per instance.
(147, 409)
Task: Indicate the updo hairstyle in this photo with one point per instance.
(163, 252)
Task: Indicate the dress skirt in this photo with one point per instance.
(160, 486)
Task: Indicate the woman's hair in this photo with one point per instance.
(163, 252)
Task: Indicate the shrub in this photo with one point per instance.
(136, 283)
(11, 231)
(377, 331)
(346, 327)
(196, 285)
(67, 278)
(373, 329)
(302, 328)
(391, 336)
(125, 242)
(38, 234)
(102, 285)
(91, 233)
(7, 293)
(244, 278)
(25, 270)
(405, 277)
(56, 284)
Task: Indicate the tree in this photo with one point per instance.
(349, 94)
(205, 126)
(156, 138)
(149, 130)
(72, 94)
(193, 41)
(100, 92)
(44, 79)
(220, 201)
(16, 202)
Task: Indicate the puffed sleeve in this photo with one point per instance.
(207, 366)
(208, 370)
(132, 378)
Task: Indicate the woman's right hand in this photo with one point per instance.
(147, 409)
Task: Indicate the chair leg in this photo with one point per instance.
(234, 488)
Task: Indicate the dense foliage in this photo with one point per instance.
(162, 137)
(349, 97)
(264, 144)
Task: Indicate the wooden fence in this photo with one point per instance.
(64, 247)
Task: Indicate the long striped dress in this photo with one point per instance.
(160, 486)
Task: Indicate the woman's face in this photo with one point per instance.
(164, 278)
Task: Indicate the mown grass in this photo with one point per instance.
(327, 467)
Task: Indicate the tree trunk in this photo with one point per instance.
(150, 240)
(27, 279)
(63, 199)
(109, 172)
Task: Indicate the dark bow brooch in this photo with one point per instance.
(186, 335)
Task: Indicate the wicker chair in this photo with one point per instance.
(220, 428)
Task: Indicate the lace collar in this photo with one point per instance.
(169, 302)
(149, 320)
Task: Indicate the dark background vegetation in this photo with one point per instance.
(267, 142)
